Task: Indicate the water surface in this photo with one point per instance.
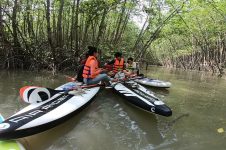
(196, 98)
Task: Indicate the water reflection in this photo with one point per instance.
(196, 99)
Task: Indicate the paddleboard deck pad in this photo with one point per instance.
(38, 117)
(139, 96)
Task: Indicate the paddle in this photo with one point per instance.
(35, 94)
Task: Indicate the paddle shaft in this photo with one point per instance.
(80, 87)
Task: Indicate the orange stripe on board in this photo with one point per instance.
(23, 89)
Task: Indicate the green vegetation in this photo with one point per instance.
(195, 37)
(54, 34)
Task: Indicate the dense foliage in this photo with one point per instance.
(54, 34)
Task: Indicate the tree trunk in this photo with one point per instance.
(59, 25)
(53, 63)
(1, 24)
(119, 23)
(139, 38)
(17, 50)
(72, 25)
(101, 27)
(17, 45)
(54, 27)
(29, 21)
(77, 29)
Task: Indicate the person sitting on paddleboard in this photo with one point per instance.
(132, 67)
(118, 66)
(79, 77)
(92, 74)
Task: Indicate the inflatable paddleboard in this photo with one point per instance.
(139, 96)
(38, 117)
(10, 144)
(154, 82)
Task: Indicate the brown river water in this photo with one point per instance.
(110, 123)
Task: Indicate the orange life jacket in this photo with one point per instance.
(118, 65)
(87, 68)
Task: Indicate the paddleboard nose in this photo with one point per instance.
(163, 110)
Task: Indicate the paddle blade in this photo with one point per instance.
(34, 94)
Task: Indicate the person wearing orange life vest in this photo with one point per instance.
(92, 74)
(118, 65)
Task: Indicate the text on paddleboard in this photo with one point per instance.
(38, 112)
